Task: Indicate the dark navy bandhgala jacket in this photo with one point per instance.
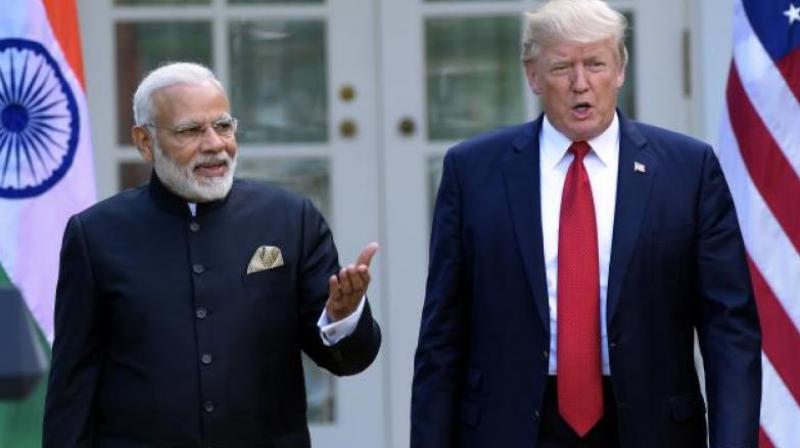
(162, 339)
(677, 265)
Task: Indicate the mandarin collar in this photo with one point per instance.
(173, 203)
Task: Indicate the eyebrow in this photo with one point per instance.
(559, 60)
(192, 123)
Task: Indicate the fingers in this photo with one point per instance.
(334, 289)
(349, 285)
(363, 271)
(365, 257)
(346, 280)
(355, 278)
(352, 280)
(335, 306)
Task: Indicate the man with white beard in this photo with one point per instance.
(183, 306)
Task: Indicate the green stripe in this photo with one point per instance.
(4, 281)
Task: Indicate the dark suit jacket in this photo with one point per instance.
(677, 264)
(146, 290)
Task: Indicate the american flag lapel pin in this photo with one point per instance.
(639, 167)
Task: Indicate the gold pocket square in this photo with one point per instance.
(265, 257)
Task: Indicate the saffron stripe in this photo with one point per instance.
(63, 18)
(780, 338)
(771, 172)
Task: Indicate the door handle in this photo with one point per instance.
(406, 126)
(348, 128)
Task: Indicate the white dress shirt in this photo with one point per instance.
(330, 332)
(602, 165)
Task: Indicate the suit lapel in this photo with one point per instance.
(521, 175)
(633, 192)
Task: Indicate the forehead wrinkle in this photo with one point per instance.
(186, 122)
(194, 101)
(568, 52)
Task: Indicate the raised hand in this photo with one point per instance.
(346, 290)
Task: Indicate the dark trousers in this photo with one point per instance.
(555, 433)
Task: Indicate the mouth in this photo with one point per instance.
(215, 168)
(581, 110)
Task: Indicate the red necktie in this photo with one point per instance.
(580, 392)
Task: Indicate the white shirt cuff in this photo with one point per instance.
(331, 333)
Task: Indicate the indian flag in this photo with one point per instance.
(46, 169)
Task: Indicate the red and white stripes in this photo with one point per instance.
(760, 155)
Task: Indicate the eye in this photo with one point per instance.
(223, 127)
(189, 131)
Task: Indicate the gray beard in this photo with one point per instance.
(182, 181)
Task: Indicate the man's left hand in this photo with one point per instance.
(346, 290)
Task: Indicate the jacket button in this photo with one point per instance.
(544, 354)
(201, 312)
(536, 415)
(198, 268)
(194, 227)
(206, 358)
(208, 406)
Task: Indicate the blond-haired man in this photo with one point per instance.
(572, 259)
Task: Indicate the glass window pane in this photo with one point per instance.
(133, 174)
(626, 98)
(141, 47)
(307, 176)
(278, 81)
(160, 2)
(474, 75)
(320, 393)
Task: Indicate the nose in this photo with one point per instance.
(211, 142)
(579, 81)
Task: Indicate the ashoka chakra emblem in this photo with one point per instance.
(39, 121)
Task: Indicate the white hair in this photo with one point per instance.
(580, 21)
(165, 76)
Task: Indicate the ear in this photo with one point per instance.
(143, 141)
(532, 76)
(620, 78)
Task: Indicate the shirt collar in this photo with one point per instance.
(554, 145)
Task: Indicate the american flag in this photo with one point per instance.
(760, 154)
